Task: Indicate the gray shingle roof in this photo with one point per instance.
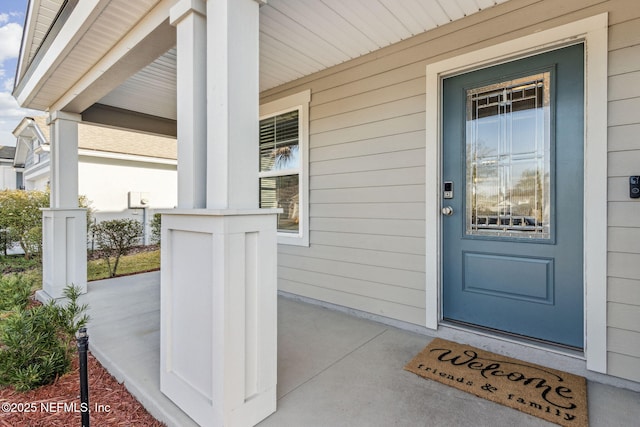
(98, 138)
(7, 152)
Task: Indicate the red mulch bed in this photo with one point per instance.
(58, 404)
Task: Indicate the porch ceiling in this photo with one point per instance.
(300, 37)
(297, 38)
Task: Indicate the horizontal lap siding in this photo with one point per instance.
(367, 168)
(367, 195)
(623, 307)
(366, 164)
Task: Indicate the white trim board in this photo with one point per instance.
(592, 32)
(301, 102)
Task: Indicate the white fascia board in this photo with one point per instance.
(24, 133)
(22, 126)
(80, 19)
(28, 128)
(127, 157)
(27, 38)
(20, 156)
(43, 148)
(39, 134)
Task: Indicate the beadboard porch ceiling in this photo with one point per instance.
(297, 38)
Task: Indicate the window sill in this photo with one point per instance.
(293, 240)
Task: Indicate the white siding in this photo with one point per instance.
(7, 177)
(368, 168)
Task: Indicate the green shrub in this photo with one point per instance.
(156, 228)
(33, 241)
(33, 352)
(14, 292)
(5, 242)
(21, 218)
(20, 213)
(115, 238)
(37, 342)
(72, 316)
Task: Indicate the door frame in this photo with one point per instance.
(592, 32)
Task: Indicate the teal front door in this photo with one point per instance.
(512, 197)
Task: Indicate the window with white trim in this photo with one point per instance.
(284, 165)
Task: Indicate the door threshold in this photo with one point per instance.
(561, 349)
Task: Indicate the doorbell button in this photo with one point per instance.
(634, 187)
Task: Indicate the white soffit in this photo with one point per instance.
(104, 32)
(301, 37)
(47, 12)
(151, 90)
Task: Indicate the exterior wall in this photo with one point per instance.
(107, 182)
(112, 162)
(7, 177)
(623, 307)
(37, 179)
(34, 159)
(367, 168)
(36, 173)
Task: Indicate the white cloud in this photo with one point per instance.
(10, 116)
(10, 37)
(7, 85)
(9, 107)
(10, 112)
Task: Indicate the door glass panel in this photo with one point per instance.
(508, 159)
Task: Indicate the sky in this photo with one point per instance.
(12, 13)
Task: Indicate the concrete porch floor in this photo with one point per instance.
(333, 369)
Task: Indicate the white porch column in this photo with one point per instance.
(233, 104)
(188, 16)
(64, 224)
(219, 267)
(64, 159)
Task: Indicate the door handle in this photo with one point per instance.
(447, 211)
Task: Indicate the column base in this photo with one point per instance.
(43, 297)
(219, 314)
(64, 251)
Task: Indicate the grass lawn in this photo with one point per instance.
(17, 264)
(96, 268)
(31, 268)
(129, 264)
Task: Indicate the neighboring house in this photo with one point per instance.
(456, 168)
(122, 174)
(8, 175)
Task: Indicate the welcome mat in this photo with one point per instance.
(546, 393)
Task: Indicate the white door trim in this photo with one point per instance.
(593, 32)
